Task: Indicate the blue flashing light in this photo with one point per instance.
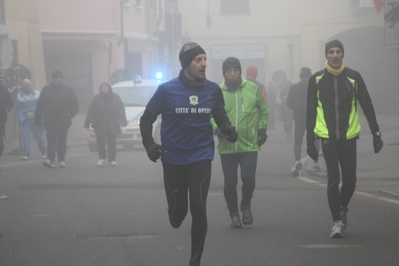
(158, 75)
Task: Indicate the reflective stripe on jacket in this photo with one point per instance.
(332, 105)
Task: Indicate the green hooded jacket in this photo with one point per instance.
(247, 111)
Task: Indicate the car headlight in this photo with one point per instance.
(133, 122)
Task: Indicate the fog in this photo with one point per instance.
(95, 40)
(293, 34)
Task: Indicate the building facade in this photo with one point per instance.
(93, 41)
(90, 41)
(21, 39)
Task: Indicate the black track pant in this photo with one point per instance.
(106, 144)
(195, 179)
(340, 154)
(56, 141)
(2, 137)
(300, 128)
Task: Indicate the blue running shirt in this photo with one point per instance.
(186, 130)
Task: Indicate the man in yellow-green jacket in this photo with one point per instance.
(248, 112)
(332, 116)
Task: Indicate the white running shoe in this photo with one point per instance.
(63, 164)
(247, 218)
(100, 162)
(113, 163)
(235, 220)
(25, 158)
(44, 156)
(295, 169)
(48, 163)
(337, 230)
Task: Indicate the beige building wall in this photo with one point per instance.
(304, 25)
(22, 21)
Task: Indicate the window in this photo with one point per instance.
(234, 7)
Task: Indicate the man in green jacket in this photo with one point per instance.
(248, 112)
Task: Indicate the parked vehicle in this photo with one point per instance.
(135, 95)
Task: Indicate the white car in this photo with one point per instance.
(135, 95)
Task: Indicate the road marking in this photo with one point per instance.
(378, 197)
(215, 194)
(308, 180)
(320, 246)
(136, 236)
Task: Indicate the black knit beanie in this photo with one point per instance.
(334, 43)
(305, 73)
(231, 62)
(188, 52)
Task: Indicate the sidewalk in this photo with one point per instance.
(377, 173)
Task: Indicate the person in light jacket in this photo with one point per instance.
(25, 106)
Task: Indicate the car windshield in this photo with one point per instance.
(135, 95)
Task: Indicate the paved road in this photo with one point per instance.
(88, 215)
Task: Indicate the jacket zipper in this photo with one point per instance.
(236, 122)
(336, 108)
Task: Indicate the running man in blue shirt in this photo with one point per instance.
(187, 104)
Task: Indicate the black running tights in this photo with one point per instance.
(340, 154)
(195, 179)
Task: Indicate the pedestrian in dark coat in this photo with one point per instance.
(106, 115)
(6, 104)
(296, 101)
(252, 74)
(57, 105)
